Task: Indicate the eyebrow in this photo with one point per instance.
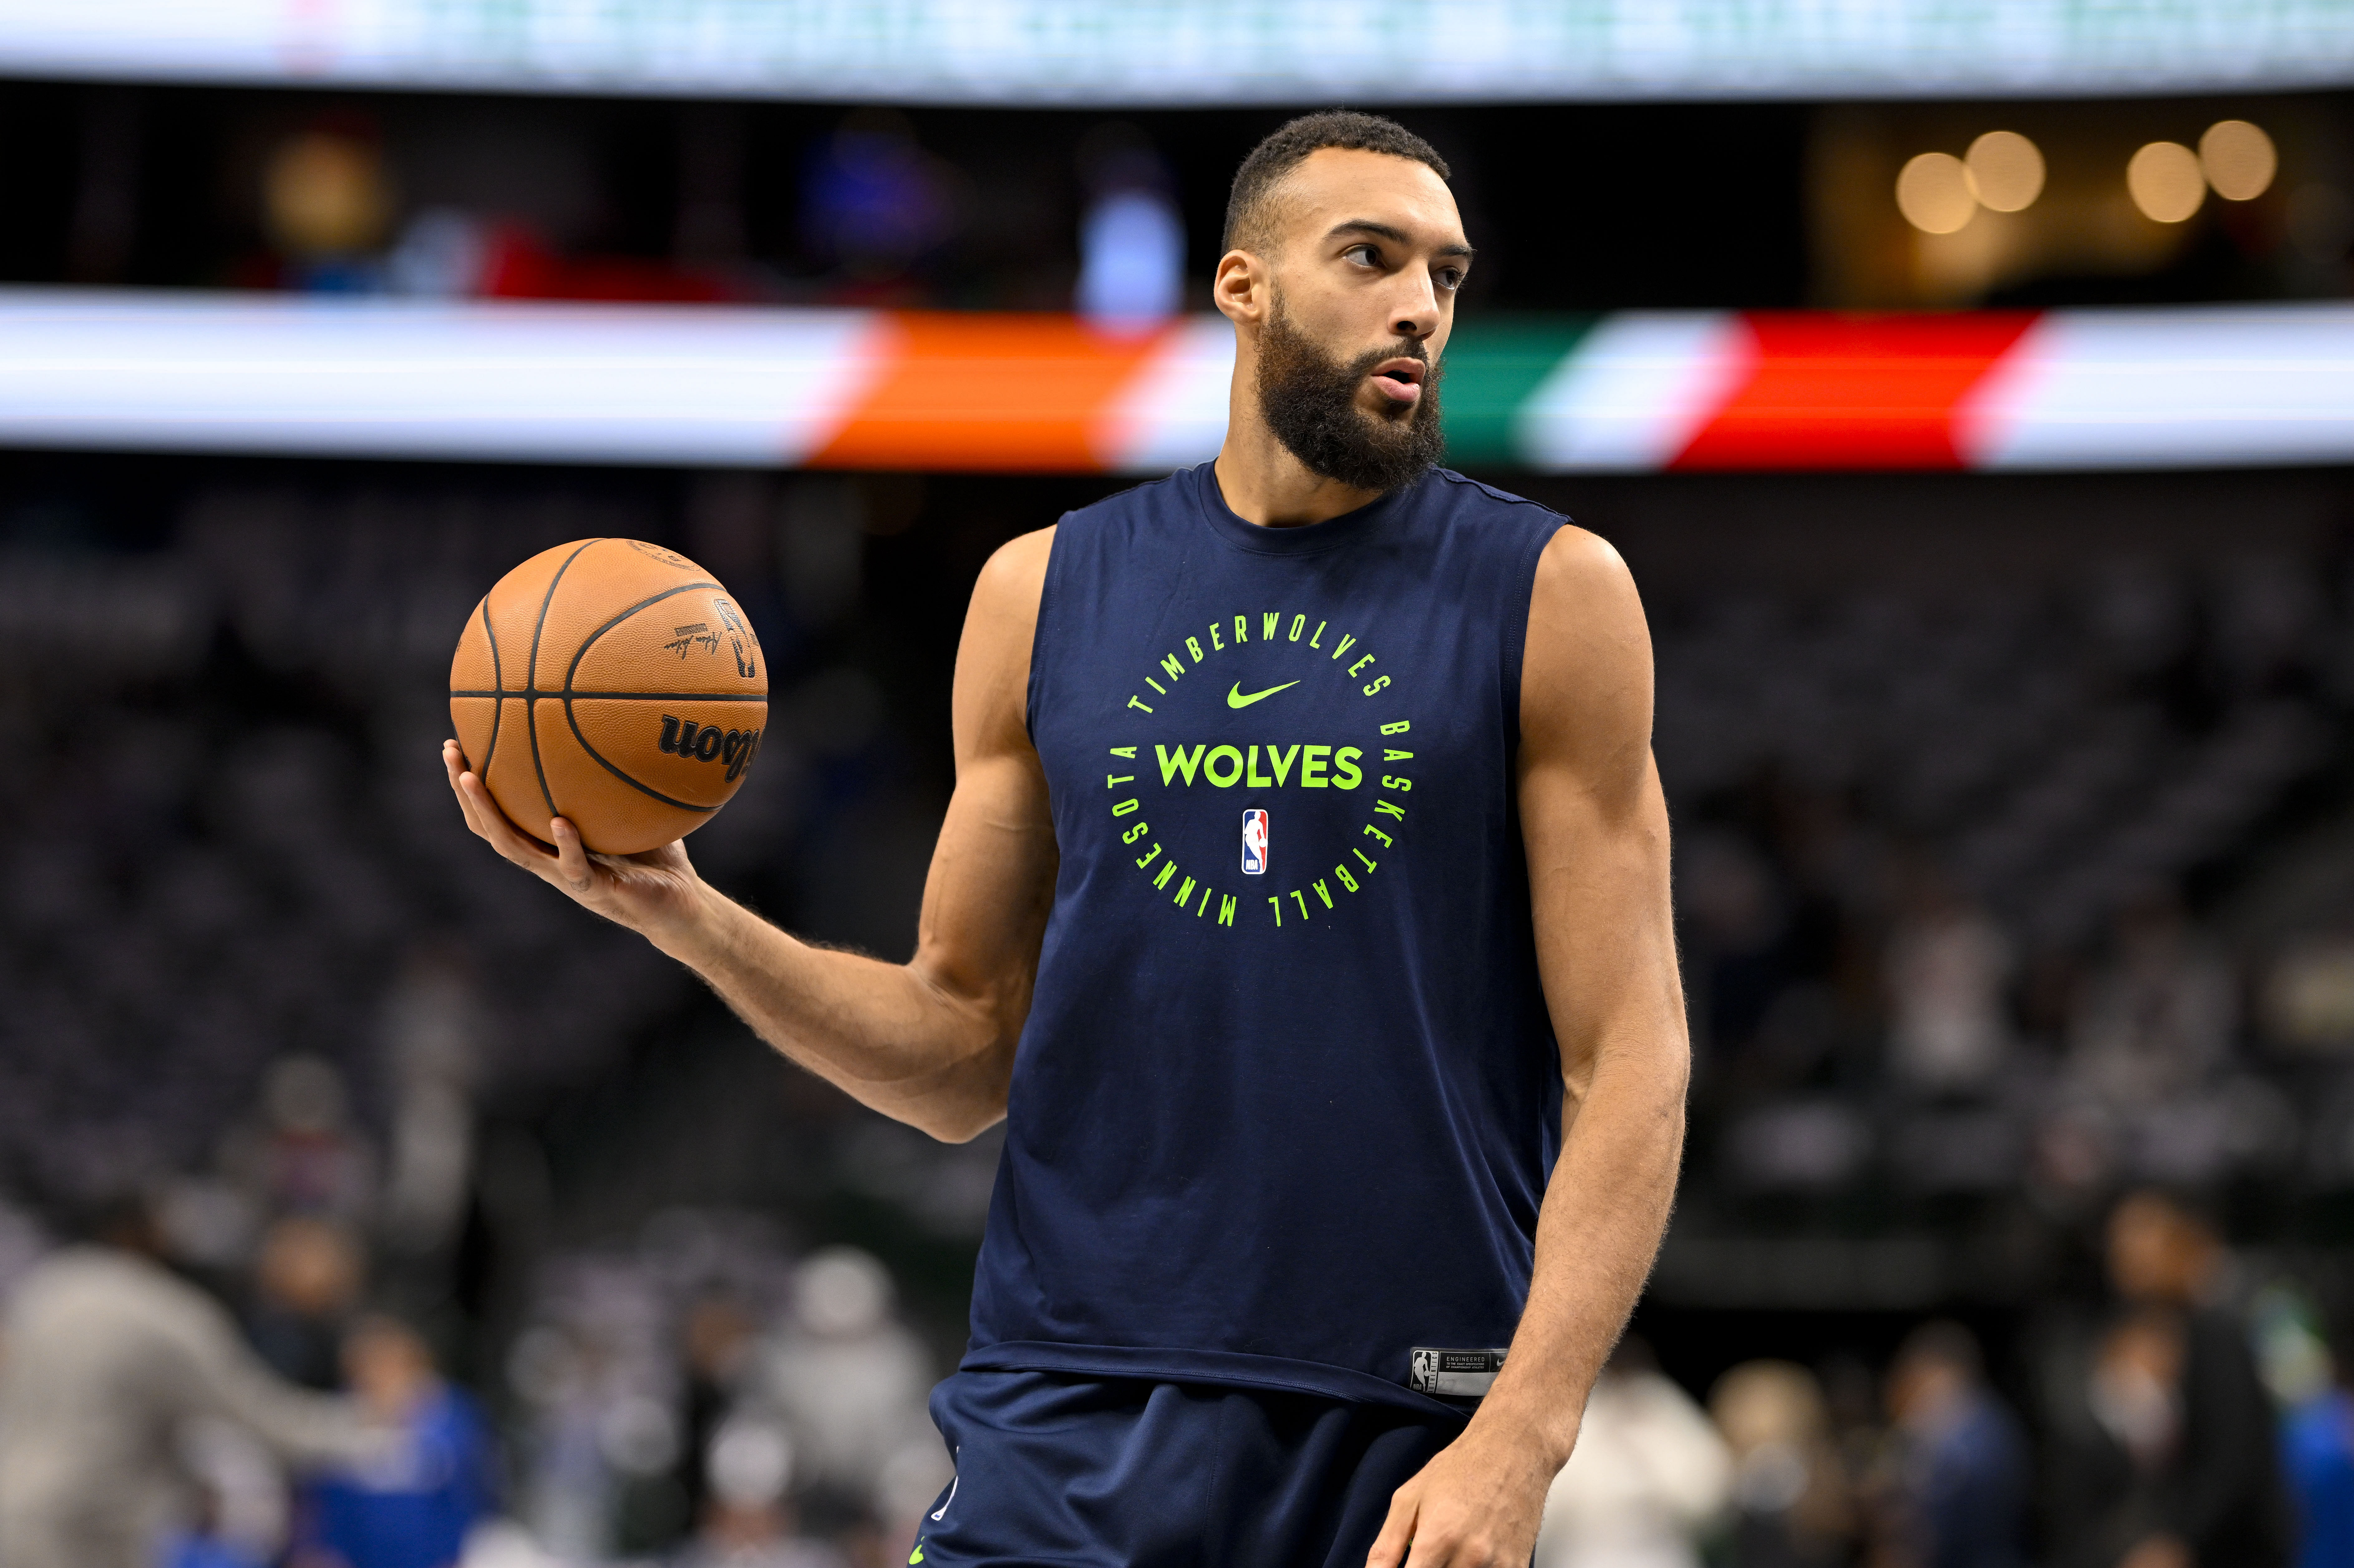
(1399, 235)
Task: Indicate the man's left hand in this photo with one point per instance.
(1477, 1505)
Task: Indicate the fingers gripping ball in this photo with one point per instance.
(615, 684)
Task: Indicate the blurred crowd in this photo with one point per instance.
(2019, 894)
(281, 1051)
(434, 202)
(461, 195)
(225, 839)
(704, 1398)
(2184, 1418)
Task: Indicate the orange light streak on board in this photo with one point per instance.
(988, 391)
(1854, 391)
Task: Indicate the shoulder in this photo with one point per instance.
(1015, 572)
(96, 1288)
(1582, 571)
(102, 1272)
(1461, 498)
(1586, 676)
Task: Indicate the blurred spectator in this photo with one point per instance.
(2114, 1474)
(2318, 1444)
(327, 203)
(306, 1157)
(1962, 1475)
(849, 1381)
(749, 1520)
(2160, 1018)
(1648, 1476)
(306, 1282)
(413, 1509)
(2178, 1464)
(1131, 236)
(873, 200)
(433, 1031)
(1795, 1508)
(718, 1342)
(1948, 967)
(109, 1356)
(2308, 996)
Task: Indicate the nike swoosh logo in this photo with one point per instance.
(1234, 698)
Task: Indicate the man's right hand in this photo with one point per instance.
(656, 894)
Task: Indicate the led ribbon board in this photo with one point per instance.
(729, 385)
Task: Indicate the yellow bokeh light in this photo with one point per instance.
(2005, 171)
(1933, 191)
(324, 194)
(2165, 181)
(2239, 159)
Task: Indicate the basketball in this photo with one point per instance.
(613, 683)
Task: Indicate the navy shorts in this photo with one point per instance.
(1124, 1473)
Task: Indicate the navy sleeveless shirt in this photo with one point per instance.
(1287, 1097)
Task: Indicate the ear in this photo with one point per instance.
(1242, 287)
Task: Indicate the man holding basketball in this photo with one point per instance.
(1303, 906)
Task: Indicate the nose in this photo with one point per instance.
(1416, 316)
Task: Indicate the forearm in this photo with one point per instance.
(886, 1034)
(1604, 1211)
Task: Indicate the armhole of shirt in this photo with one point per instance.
(1516, 625)
(1034, 695)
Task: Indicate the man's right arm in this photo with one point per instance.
(930, 1042)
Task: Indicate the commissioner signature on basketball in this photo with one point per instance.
(684, 638)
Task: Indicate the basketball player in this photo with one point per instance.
(1302, 906)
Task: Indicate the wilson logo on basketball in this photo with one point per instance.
(708, 743)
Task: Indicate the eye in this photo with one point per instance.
(1364, 255)
(1450, 278)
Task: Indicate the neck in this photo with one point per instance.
(1262, 481)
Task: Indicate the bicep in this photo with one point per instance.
(1593, 819)
(992, 874)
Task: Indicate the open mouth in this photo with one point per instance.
(1400, 378)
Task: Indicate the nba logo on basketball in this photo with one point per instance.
(1254, 843)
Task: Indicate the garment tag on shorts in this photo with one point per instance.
(1454, 1375)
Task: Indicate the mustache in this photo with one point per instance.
(1404, 348)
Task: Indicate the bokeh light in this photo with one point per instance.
(2165, 181)
(325, 195)
(2239, 159)
(2005, 171)
(1933, 191)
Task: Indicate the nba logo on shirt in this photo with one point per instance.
(1254, 843)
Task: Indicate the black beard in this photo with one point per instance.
(1310, 400)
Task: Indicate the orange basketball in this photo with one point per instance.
(613, 683)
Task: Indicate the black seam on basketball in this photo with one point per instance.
(590, 640)
(599, 758)
(623, 696)
(569, 694)
(531, 674)
(498, 699)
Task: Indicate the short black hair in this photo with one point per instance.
(1282, 152)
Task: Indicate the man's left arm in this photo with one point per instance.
(1595, 827)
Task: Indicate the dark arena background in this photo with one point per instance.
(1973, 400)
